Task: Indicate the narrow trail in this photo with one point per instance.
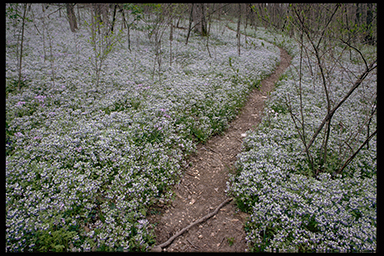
(202, 187)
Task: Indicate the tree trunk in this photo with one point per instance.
(97, 16)
(246, 25)
(71, 17)
(209, 30)
(204, 30)
(129, 39)
(369, 37)
(332, 112)
(190, 24)
(21, 46)
(358, 13)
(170, 43)
(199, 17)
(238, 30)
(123, 24)
(114, 18)
(105, 13)
(43, 34)
(253, 17)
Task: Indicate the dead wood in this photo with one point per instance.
(159, 247)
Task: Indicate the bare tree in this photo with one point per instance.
(101, 14)
(190, 24)
(163, 18)
(43, 29)
(369, 36)
(170, 43)
(320, 38)
(101, 40)
(71, 17)
(136, 13)
(208, 33)
(21, 46)
(238, 29)
(199, 18)
(113, 17)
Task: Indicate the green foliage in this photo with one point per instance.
(266, 234)
(99, 158)
(103, 42)
(12, 12)
(199, 134)
(53, 240)
(230, 61)
(134, 8)
(8, 141)
(156, 8)
(230, 240)
(310, 223)
(279, 107)
(12, 85)
(242, 205)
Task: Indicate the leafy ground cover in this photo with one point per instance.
(85, 160)
(292, 211)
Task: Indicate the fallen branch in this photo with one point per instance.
(159, 247)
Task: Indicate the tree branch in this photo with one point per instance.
(58, 9)
(302, 137)
(332, 112)
(329, 21)
(198, 22)
(357, 151)
(366, 65)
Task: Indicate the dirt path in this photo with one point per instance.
(202, 188)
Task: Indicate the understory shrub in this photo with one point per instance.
(291, 210)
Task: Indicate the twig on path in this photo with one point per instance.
(196, 247)
(221, 242)
(190, 174)
(214, 151)
(188, 190)
(159, 247)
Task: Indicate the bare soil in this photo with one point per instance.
(202, 187)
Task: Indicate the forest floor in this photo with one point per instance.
(202, 187)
